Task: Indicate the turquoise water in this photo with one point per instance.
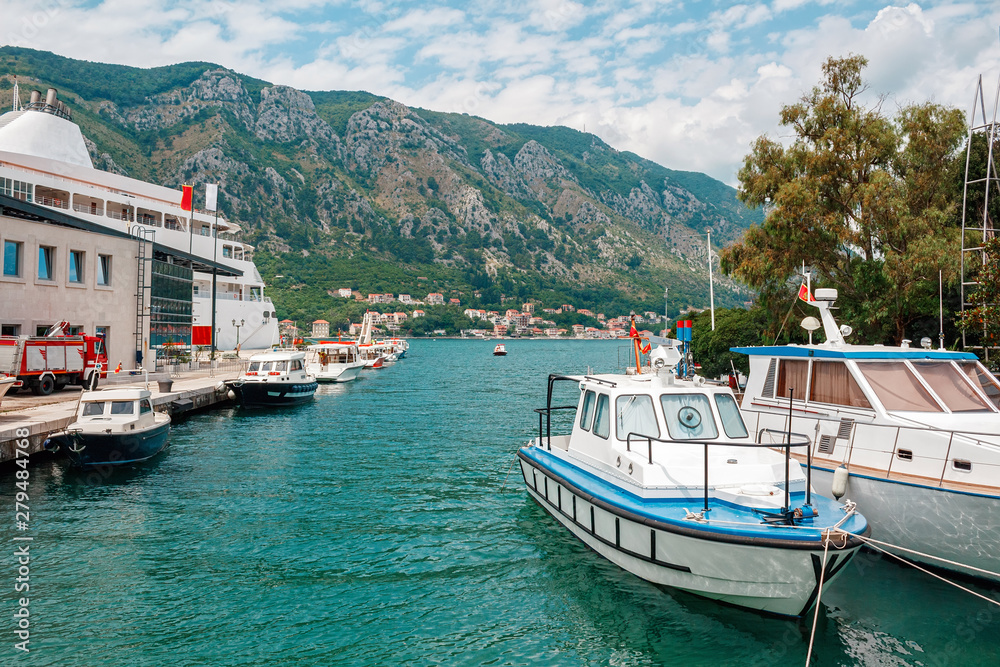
(373, 527)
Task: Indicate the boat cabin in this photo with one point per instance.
(276, 366)
(117, 409)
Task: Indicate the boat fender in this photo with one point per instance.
(220, 387)
(839, 486)
(50, 446)
(231, 394)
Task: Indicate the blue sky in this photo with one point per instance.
(687, 84)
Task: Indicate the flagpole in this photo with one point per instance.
(711, 286)
(215, 252)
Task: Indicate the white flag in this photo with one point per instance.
(211, 196)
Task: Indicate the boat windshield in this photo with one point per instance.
(689, 416)
(254, 367)
(122, 407)
(897, 387)
(587, 411)
(732, 422)
(602, 420)
(145, 406)
(634, 414)
(950, 385)
(281, 366)
(982, 379)
(93, 408)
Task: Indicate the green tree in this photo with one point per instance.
(866, 201)
(983, 321)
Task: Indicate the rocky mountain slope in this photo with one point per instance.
(348, 188)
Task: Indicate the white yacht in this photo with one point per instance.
(44, 160)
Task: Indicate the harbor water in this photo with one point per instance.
(378, 525)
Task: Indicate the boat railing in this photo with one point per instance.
(787, 446)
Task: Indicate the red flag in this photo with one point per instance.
(632, 333)
(804, 294)
(187, 197)
(647, 348)
(119, 368)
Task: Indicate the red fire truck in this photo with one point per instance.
(48, 363)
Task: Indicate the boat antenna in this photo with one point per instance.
(941, 311)
(17, 96)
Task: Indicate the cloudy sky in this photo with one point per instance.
(688, 84)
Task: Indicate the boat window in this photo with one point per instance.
(122, 408)
(296, 364)
(281, 366)
(265, 366)
(792, 374)
(254, 366)
(732, 422)
(897, 387)
(982, 379)
(689, 416)
(92, 408)
(950, 387)
(635, 414)
(144, 406)
(832, 382)
(587, 411)
(602, 420)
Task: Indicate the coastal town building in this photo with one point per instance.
(320, 329)
(435, 299)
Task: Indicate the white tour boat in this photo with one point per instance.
(500, 350)
(113, 427)
(278, 377)
(911, 434)
(334, 361)
(660, 476)
(44, 160)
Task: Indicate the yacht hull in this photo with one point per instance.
(338, 373)
(264, 394)
(774, 576)
(959, 526)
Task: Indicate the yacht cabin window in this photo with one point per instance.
(635, 414)
(93, 408)
(897, 387)
(732, 422)
(587, 410)
(982, 379)
(950, 386)
(296, 364)
(793, 374)
(689, 416)
(602, 420)
(833, 383)
(121, 408)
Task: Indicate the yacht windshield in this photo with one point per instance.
(897, 387)
(635, 414)
(93, 408)
(732, 422)
(121, 407)
(950, 386)
(689, 416)
(982, 379)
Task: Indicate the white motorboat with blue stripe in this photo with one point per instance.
(660, 476)
(912, 434)
(272, 378)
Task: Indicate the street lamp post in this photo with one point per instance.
(666, 291)
(711, 286)
(242, 322)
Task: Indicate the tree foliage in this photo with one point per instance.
(983, 321)
(865, 201)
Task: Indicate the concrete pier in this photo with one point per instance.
(41, 416)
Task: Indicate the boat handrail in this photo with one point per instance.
(804, 442)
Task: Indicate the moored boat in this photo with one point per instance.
(113, 427)
(334, 361)
(273, 378)
(660, 476)
(910, 434)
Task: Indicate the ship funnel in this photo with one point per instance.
(50, 97)
(35, 97)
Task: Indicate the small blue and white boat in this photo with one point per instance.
(274, 378)
(660, 476)
(911, 434)
(113, 427)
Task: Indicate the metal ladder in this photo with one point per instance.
(977, 226)
(144, 255)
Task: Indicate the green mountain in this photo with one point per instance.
(349, 189)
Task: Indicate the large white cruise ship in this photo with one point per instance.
(44, 160)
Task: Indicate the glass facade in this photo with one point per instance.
(170, 304)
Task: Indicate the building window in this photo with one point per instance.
(104, 333)
(76, 266)
(104, 269)
(46, 267)
(42, 329)
(10, 329)
(12, 258)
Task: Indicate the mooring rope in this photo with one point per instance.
(870, 542)
(819, 594)
(509, 468)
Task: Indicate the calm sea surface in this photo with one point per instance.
(373, 527)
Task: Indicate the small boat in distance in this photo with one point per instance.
(646, 449)
(272, 378)
(500, 350)
(334, 361)
(113, 427)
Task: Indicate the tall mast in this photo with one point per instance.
(17, 97)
